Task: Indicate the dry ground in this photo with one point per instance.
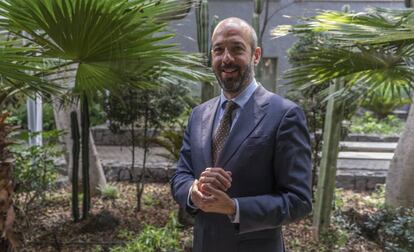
(50, 227)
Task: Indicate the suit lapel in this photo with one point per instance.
(207, 129)
(254, 108)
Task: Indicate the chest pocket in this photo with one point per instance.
(257, 141)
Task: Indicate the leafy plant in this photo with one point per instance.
(118, 44)
(383, 103)
(393, 228)
(109, 192)
(150, 110)
(368, 124)
(35, 171)
(153, 239)
(172, 137)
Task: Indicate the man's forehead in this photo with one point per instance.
(232, 33)
(232, 40)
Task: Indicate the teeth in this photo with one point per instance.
(229, 70)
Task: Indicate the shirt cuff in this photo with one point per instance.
(190, 203)
(235, 218)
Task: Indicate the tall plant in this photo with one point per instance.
(107, 40)
(15, 62)
(148, 110)
(373, 52)
(204, 32)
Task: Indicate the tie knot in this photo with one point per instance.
(230, 106)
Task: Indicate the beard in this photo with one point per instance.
(235, 84)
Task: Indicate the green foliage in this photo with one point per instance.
(172, 138)
(117, 40)
(393, 228)
(368, 124)
(338, 201)
(310, 97)
(333, 240)
(151, 200)
(35, 171)
(310, 101)
(368, 52)
(152, 239)
(19, 115)
(16, 62)
(383, 104)
(109, 191)
(158, 105)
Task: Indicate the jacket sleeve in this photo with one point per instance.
(184, 175)
(292, 166)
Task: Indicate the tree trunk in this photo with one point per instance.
(96, 173)
(62, 120)
(327, 171)
(8, 240)
(400, 178)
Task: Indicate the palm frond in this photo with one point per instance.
(372, 51)
(109, 40)
(17, 69)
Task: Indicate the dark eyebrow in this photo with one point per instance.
(237, 43)
(217, 44)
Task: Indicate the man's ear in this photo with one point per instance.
(257, 55)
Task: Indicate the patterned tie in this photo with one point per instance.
(223, 130)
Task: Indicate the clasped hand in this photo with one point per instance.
(209, 192)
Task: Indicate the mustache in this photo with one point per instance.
(229, 66)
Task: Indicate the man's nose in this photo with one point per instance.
(227, 57)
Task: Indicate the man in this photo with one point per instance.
(245, 167)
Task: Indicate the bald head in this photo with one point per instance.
(234, 22)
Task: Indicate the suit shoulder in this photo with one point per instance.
(281, 102)
(204, 105)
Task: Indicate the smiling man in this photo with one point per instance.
(245, 167)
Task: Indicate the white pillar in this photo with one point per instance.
(34, 115)
(35, 119)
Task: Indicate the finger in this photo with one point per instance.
(217, 176)
(221, 171)
(214, 182)
(208, 199)
(196, 196)
(213, 191)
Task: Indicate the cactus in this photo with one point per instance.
(85, 156)
(258, 8)
(202, 19)
(75, 162)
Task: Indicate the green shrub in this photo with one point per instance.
(368, 124)
(35, 172)
(109, 192)
(393, 228)
(384, 103)
(152, 239)
(19, 115)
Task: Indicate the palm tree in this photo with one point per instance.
(373, 52)
(111, 44)
(14, 64)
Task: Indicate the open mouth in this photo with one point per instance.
(229, 70)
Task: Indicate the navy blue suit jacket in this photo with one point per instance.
(268, 153)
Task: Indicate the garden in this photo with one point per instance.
(95, 98)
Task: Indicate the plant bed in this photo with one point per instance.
(115, 226)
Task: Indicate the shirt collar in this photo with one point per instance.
(243, 97)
